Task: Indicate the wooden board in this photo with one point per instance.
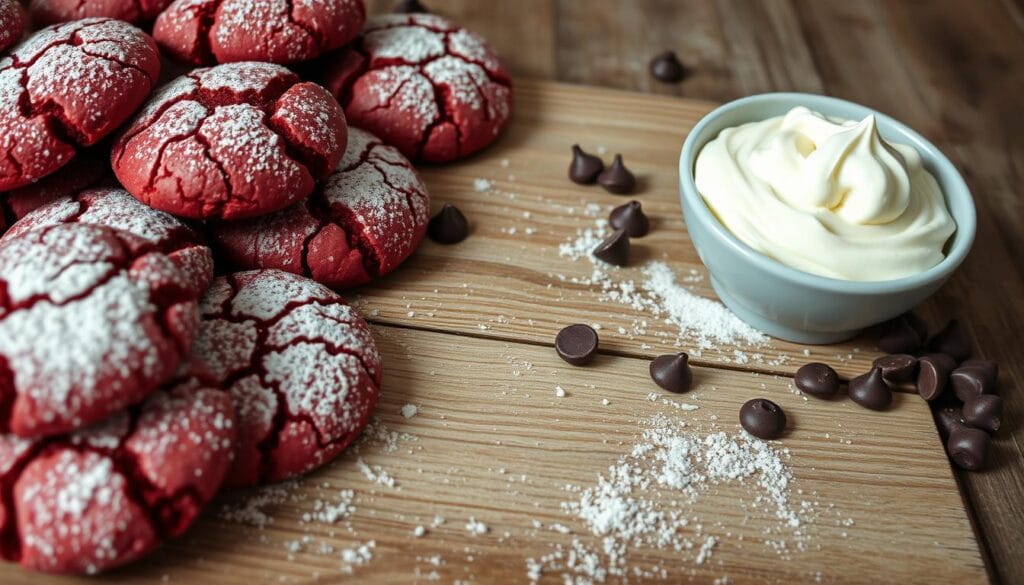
(466, 332)
(491, 441)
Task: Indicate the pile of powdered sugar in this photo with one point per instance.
(645, 500)
(707, 322)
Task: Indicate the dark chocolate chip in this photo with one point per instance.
(577, 344)
(410, 7)
(967, 447)
(449, 226)
(949, 419)
(952, 341)
(617, 178)
(898, 367)
(917, 324)
(818, 380)
(630, 217)
(666, 67)
(672, 372)
(899, 336)
(614, 249)
(974, 377)
(763, 418)
(870, 390)
(984, 411)
(584, 167)
(933, 375)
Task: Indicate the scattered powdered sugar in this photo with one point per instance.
(645, 500)
(253, 510)
(357, 555)
(707, 321)
(409, 411)
(476, 527)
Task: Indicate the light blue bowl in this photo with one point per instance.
(791, 304)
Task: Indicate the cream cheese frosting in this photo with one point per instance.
(830, 197)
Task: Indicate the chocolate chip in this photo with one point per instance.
(449, 226)
(630, 217)
(614, 249)
(898, 367)
(967, 447)
(974, 377)
(672, 372)
(410, 7)
(818, 380)
(617, 178)
(899, 336)
(584, 167)
(577, 344)
(952, 341)
(933, 374)
(984, 411)
(949, 419)
(870, 390)
(763, 418)
(666, 67)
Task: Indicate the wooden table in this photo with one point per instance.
(953, 70)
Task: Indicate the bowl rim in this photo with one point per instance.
(951, 182)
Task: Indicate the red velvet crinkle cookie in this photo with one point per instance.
(69, 86)
(108, 494)
(92, 320)
(300, 365)
(423, 84)
(277, 31)
(116, 208)
(364, 221)
(46, 12)
(90, 168)
(229, 142)
(12, 23)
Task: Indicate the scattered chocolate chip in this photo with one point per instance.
(410, 7)
(617, 178)
(949, 419)
(577, 344)
(933, 375)
(630, 217)
(899, 336)
(984, 411)
(666, 67)
(449, 226)
(870, 390)
(898, 367)
(614, 249)
(763, 418)
(952, 341)
(818, 380)
(584, 167)
(672, 372)
(967, 447)
(974, 377)
(917, 324)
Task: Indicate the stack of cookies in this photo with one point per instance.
(139, 376)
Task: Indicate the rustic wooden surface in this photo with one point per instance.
(949, 68)
(500, 449)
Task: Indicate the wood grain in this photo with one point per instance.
(493, 284)
(501, 447)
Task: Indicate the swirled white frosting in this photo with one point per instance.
(826, 196)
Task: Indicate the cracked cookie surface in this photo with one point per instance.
(69, 86)
(425, 85)
(300, 364)
(116, 208)
(12, 23)
(46, 12)
(204, 32)
(107, 494)
(92, 320)
(361, 223)
(229, 142)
